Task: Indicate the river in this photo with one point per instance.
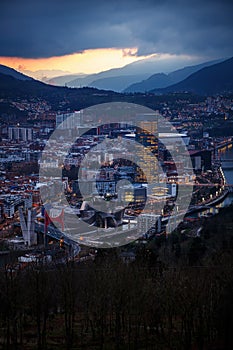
(224, 153)
(227, 167)
(227, 153)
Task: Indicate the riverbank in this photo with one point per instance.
(205, 206)
(227, 176)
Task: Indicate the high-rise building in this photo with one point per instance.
(69, 120)
(146, 137)
(149, 222)
(19, 133)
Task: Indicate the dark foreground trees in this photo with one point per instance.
(112, 305)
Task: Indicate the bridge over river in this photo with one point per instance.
(55, 233)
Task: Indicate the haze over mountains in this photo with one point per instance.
(217, 78)
(13, 87)
(161, 80)
(140, 76)
(45, 74)
(62, 80)
(131, 73)
(207, 78)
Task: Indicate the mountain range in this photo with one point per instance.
(207, 80)
(215, 79)
(45, 74)
(11, 86)
(134, 77)
(62, 80)
(118, 79)
(162, 80)
(13, 73)
(59, 98)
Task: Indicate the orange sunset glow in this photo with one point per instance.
(88, 61)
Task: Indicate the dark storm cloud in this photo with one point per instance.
(56, 27)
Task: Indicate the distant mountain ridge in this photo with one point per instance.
(106, 80)
(11, 86)
(13, 73)
(62, 80)
(215, 79)
(161, 80)
(131, 73)
(115, 83)
(59, 98)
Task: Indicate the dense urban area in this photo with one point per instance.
(165, 281)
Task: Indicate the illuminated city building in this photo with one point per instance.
(69, 120)
(146, 137)
(18, 133)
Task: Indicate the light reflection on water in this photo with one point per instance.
(224, 153)
(214, 210)
(227, 153)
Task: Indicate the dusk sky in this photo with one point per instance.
(90, 36)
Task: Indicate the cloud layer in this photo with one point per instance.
(57, 27)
